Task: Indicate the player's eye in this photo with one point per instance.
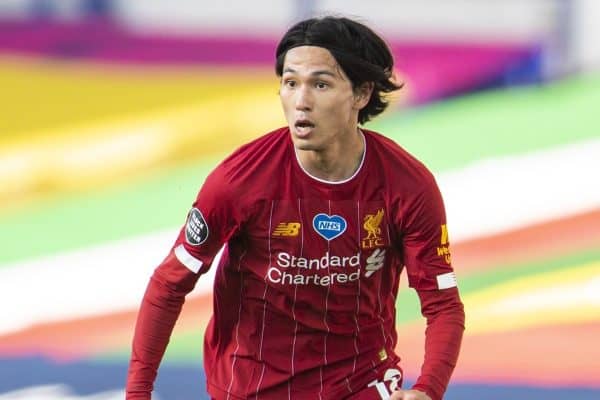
(289, 83)
(321, 85)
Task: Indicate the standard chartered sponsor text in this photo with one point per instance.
(292, 270)
(286, 260)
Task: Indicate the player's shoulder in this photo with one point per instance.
(396, 160)
(271, 141)
(255, 160)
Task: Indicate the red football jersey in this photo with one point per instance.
(304, 296)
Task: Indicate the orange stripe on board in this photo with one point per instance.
(546, 355)
(541, 241)
(84, 337)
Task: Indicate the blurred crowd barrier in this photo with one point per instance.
(565, 28)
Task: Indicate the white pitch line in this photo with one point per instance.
(90, 281)
(62, 392)
(59, 392)
(501, 194)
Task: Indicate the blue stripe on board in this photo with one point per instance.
(85, 378)
(188, 381)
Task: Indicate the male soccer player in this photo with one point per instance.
(319, 220)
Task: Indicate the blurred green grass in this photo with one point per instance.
(449, 134)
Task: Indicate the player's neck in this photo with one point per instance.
(338, 162)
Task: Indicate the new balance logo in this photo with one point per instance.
(287, 229)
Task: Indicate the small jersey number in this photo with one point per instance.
(391, 382)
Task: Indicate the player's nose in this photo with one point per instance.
(303, 99)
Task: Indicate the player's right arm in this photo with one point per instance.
(210, 223)
(156, 318)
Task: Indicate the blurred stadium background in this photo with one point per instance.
(113, 112)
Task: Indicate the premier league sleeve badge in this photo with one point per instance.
(196, 229)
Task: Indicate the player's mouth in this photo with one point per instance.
(303, 127)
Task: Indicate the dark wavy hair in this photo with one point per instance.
(360, 52)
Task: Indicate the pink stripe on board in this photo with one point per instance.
(431, 70)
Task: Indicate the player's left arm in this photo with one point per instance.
(430, 273)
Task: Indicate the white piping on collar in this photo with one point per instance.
(362, 161)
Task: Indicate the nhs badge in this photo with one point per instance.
(329, 227)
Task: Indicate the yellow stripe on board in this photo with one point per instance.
(41, 96)
(102, 152)
(567, 296)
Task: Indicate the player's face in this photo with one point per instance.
(319, 103)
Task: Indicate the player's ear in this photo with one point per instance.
(362, 94)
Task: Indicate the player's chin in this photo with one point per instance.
(302, 143)
(305, 145)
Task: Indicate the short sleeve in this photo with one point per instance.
(425, 242)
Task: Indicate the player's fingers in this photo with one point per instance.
(408, 395)
(397, 395)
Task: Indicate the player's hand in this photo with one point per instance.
(409, 395)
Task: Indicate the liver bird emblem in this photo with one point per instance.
(372, 223)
